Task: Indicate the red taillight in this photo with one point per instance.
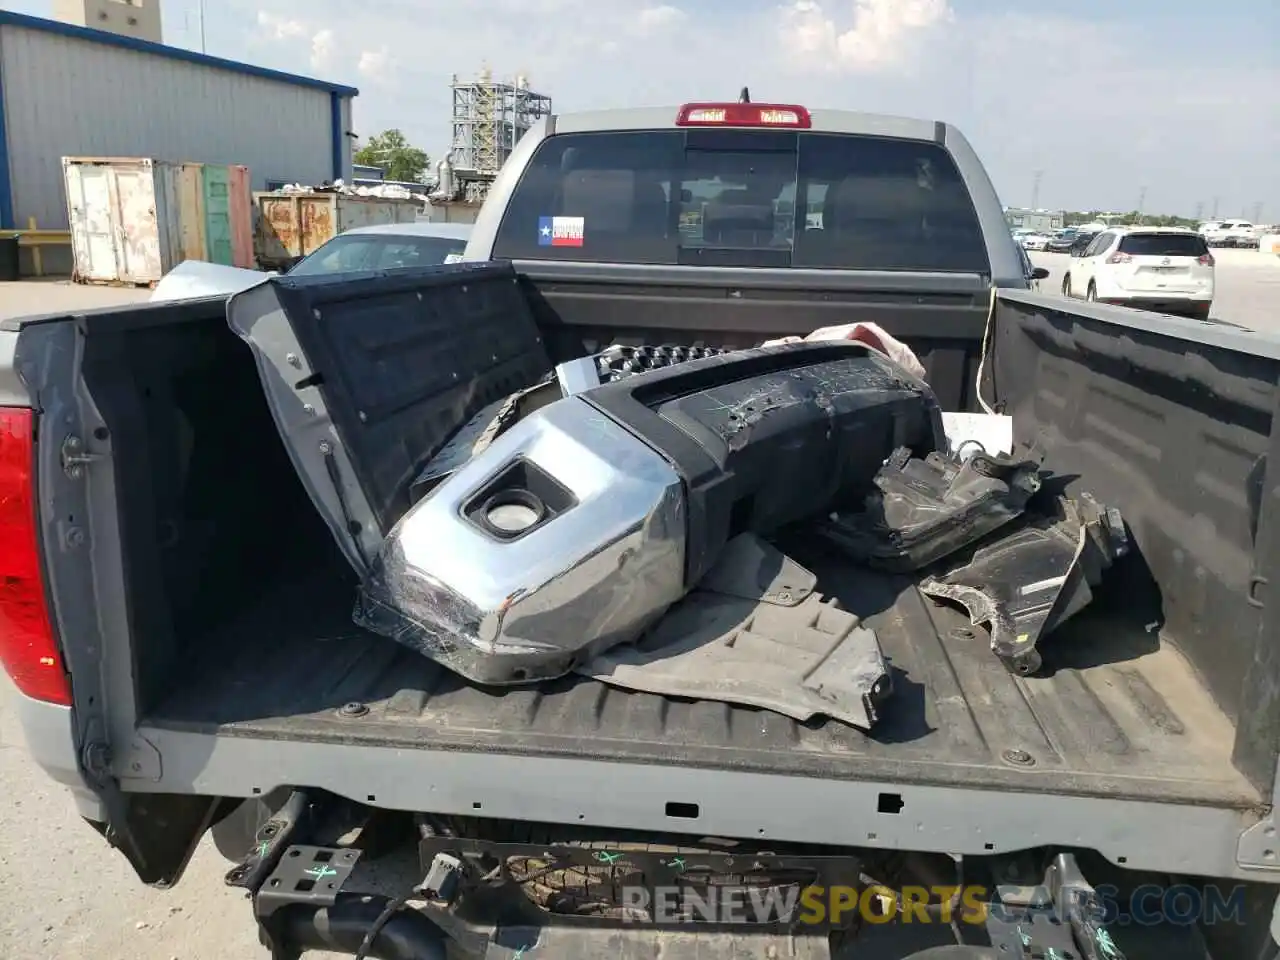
(743, 115)
(27, 648)
(1119, 258)
(1206, 260)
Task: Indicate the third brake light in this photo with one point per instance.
(744, 115)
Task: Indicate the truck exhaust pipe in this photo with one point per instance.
(398, 933)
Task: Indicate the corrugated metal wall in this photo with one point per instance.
(65, 96)
(348, 154)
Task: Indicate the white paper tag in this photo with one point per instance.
(453, 258)
(970, 432)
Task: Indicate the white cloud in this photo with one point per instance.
(1109, 107)
(655, 19)
(880, 35)
(281, 28)
(376, 65)
(322, 49)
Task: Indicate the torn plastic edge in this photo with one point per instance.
(1018, 651)
(472, 439)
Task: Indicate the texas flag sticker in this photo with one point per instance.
(560, 231)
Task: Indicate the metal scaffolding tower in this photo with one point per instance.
(489, 118)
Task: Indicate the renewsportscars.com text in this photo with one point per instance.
(837, 906)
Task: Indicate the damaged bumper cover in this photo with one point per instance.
(567, 527)
(578, 527)
(925, 509)
(755, 632)
(1033, 579)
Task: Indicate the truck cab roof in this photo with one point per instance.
(821, 121)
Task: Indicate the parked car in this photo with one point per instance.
(1230, 233)
(1034, 241)
(1061, 241)
(1081, 241)
(1166, 269)
(384, 246)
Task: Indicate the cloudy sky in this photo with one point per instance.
(1108, 99)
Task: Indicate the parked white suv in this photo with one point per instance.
(1230, 233)
(1149, 268)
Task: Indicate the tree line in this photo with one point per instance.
(1075, 217)
(398, 158)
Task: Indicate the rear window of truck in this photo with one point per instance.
(744, 198)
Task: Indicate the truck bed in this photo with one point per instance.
(1118, 713)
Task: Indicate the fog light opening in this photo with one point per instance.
(510, 513)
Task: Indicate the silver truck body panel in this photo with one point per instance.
(1175, 838)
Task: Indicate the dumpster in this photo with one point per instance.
(8, 256)
(292, 225)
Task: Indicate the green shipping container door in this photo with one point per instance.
(217, 214)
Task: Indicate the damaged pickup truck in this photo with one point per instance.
(645, 637)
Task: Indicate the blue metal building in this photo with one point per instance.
(72, 91)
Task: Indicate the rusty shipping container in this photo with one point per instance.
(125, 218)
(451, 211)
(191, 217)
(292, 225)
(216, 214)
(133, 219)
(241, 217)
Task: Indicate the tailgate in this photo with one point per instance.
(368, 377)
(1164, 275)
(1159, 263)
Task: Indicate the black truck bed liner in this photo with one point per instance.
(1119, 712)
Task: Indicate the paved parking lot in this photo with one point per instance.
(34, 297)
(70, 897)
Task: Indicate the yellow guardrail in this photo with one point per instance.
(35, 238)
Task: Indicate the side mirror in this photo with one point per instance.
(1040, 273)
